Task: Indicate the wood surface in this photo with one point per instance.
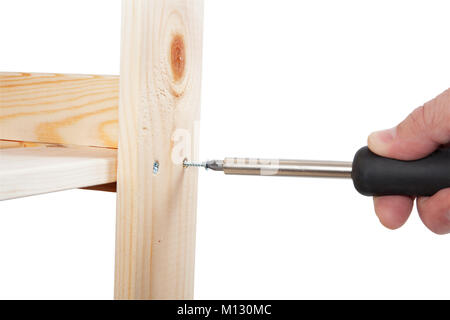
(159, 105)
(5, 144)
(57, 108)
(32, 171)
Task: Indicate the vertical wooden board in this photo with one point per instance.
(158, 112)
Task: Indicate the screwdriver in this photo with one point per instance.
(372, 175)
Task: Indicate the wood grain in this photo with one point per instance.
(159, 98)
(5, 144)
(57, 108)
(31, 171)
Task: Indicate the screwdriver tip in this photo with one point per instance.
(213, 165)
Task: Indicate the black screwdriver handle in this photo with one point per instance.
(377, 176)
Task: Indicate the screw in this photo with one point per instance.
(187, 164)
(155, 167)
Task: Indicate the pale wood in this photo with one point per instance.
(31, 171)
(160, 95)
(58, 108)
(5, 144)
(11, 144)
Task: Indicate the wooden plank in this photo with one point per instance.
(159, 98)
(11, 144)
(57, 108)
(6, 144)
(31, 171)
(110, 187)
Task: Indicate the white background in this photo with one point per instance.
(289, 79)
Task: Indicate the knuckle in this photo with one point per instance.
(416, 121)
(442, 103)
(432, 119)
(423, 118)
(427, 114)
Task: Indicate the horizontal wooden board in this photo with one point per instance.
(31, 171)
(57, 108)
(6, 144)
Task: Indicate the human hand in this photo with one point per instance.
(425, 130)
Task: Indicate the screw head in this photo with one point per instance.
(155, 167)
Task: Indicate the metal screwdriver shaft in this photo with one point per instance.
(285, 168)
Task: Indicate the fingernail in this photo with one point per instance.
(380, 141)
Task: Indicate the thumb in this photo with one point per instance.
(427, 128)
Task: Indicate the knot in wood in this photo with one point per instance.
(178, 57)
